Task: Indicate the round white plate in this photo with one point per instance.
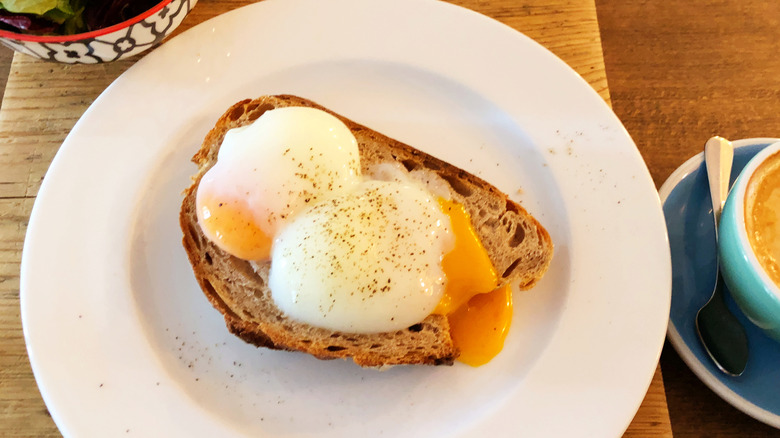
(122, 341)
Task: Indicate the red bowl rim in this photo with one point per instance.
(85, 35)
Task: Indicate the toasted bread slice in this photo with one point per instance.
(519, 247)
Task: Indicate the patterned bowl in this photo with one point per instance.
(119, 41)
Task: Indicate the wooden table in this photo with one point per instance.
(41, 104)
(679, 72)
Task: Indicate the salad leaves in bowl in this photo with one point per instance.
(88, 31)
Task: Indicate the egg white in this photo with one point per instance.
(365, 262)
(286, 160)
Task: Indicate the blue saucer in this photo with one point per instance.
(688, 211)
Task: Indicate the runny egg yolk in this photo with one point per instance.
(231, 225)
(468, 268)
(479, 314)
(480, 327)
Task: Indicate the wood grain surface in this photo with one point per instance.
(43, 100)
(679, 72)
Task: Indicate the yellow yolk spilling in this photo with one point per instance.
(231, 224)
(468, 267)
(480, 327)
(479, 314)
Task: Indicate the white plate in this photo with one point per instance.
(121, 339)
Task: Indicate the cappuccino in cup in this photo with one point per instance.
(762, 215)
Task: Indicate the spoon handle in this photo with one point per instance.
(723, 337)
(718, 157)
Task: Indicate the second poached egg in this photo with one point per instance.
(270, 170)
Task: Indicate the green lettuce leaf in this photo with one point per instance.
(37, 7)
(60, 9)
(64, 11)
(74, 24)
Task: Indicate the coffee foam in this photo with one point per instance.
(762, 215)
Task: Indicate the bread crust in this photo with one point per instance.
(519, 247)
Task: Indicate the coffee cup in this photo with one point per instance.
(749, 240)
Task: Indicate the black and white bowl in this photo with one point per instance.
(122, 40)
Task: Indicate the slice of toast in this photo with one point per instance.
(519, 247)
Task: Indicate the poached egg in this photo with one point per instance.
(270, 170)
(349, 252)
